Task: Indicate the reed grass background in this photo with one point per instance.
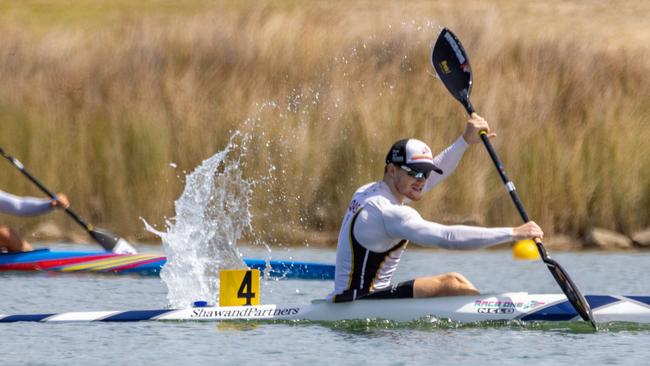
(98, 98)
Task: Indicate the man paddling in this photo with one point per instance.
(10, 241)
(378, 225)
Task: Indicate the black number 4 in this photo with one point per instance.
(246, 288)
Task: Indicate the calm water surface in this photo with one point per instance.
(341, 343)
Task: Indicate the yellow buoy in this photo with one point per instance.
(525, 250)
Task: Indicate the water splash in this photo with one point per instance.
(212, 213)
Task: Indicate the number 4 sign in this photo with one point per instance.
(239, 287)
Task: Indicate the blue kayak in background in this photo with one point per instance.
(143, 264)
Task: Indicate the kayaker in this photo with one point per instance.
(378, 225)
(10, 241)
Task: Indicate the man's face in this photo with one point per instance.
(408, 186)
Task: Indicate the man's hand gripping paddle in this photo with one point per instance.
(452, 66)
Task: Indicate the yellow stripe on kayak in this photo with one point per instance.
(101, 264)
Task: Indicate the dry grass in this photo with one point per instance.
(98, 103)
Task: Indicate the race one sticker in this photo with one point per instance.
(504, 306)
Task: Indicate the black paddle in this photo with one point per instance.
(452, 66)
(103, 237)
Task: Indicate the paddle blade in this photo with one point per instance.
(571, 291)
(450, 61)
(111, 242)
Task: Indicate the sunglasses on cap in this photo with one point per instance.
(415, 174)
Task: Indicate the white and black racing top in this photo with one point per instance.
(377, 228)
(23, 206)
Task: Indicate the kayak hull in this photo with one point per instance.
(490, 307)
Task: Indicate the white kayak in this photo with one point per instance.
(508, 306)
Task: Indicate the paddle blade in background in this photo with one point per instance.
(111, 242)
(452, 66)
